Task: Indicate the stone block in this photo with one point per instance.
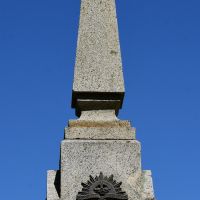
(101, 130)
(147, 189)
(53, 184)
(81, 158)
(96, 125)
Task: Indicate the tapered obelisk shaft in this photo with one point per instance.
(98, 77)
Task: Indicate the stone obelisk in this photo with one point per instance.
(100, 156)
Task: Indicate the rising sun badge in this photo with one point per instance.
(102, 188)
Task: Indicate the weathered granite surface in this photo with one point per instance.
(100, 124)
(81, 158)
(53, 185)
(106, 144)
(98, 61)
(144, 186)
(98, 73)
(147, 192)
(98, 133)
(98, 115)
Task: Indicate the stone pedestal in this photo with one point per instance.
(99, 142)
(82, 158)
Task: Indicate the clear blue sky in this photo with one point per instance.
(160, 42)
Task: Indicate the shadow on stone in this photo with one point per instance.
(57, 182)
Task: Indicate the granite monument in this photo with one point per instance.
(100, 156)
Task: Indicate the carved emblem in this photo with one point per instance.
(101, 188)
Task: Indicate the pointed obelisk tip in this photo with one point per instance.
(98, 77)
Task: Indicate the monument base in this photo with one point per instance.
(97, 143)
(144, 186)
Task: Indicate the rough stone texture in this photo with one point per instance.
(105, 144)
(102, 124)
(98, 115)
(52, 185)
(98, 70)
(141, 184)
(98, 61)
(98, 133)
(147, 189)
(81, 158)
